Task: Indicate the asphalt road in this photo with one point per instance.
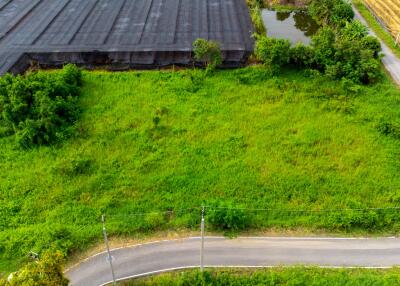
(160, 256)
(390, 61)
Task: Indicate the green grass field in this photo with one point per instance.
(292, 276)
(158, 141)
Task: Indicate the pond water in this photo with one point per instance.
(296, 26)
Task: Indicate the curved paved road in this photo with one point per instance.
(155, 257)
(389, 60)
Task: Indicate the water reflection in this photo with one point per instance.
(295, 26)
(282, 16)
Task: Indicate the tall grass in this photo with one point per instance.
(276, 276)
(160, 141)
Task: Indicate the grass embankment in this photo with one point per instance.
(151, 141)
(384, 35)
(276, 276)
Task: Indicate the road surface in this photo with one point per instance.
(390, 61)
(160, 256)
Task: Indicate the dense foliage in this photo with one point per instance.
(39, 107)
(273, 52)
(159, 141)
(331, 12)
(292, 276)
(47, 271)
(207, 52)
(342, 48)
(228, 217)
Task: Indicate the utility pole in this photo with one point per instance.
(202, 241)
(397, 39)
(109, 258)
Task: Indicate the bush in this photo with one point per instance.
(373, 44)
(350, 53)
(342, 13)
(302, 56)
(208, 52)
(45, 272)
(323, 44)
(40, 107)
(273, 52)
(228, 217)
(391, 129)
(331, 12)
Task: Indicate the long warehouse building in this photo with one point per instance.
(119, 34)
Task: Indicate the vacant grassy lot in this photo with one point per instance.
(276, 276)
(151, 141)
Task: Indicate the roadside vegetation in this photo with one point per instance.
(46, 271)
(377, 28)
(274, 277)
(161, 143)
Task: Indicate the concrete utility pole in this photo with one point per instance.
(109, 258)
(202, 241)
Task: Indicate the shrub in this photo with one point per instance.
(46, 272)
(331, 12)
(273, 52)
(40, 107)
(354, 30)
(321, 10)
(302, 56)
(342, 13)
(350, 53)
(391, 129)
(208, 52)
(373, 44)
(228, 217)
(323, 44)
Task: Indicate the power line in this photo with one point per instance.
(174, 211)
(306, 211)
(199, 209)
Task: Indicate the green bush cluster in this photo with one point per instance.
(47, 271)
(273, 52)
(39, 107)
(276, 276)
(342, 48)
(228, 217)
(331, 12)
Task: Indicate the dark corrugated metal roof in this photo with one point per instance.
(130, 32)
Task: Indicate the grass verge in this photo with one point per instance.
(376, 27)
(275, 276)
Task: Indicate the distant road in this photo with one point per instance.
(160, 256)
(390, 61)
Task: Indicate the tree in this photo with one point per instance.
(45, 272)
(208, 52)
